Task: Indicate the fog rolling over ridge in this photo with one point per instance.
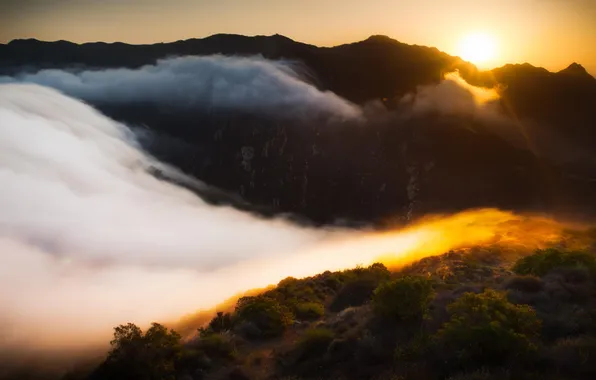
(211, 116)
(247, 84)
(90, 239)
(79, 210)
(251, 85)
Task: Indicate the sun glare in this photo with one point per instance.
(478, 48)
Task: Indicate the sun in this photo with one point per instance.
(478, 48)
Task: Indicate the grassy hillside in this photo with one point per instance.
(483, 313)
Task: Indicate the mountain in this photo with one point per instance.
(392, 168)
(358, 72)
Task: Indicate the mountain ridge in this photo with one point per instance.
(394, 167)
(574, 66)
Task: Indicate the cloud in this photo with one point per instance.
(83, 220)
(253, 85)
(453, 96)
(89, 239)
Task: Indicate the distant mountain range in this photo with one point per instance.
(429, 163)
(369, 69)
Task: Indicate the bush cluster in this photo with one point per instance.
(405, 298)
(369, 323)
(486, 330)
(269, 316)
(544, 261)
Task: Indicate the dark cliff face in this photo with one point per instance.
(381, 171)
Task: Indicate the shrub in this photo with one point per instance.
(416, 348)
(379, 270)
(354, 293)
(288, 282)
(574, 357)
(309, 311)
(371, 349)
(333, 281)
(306, 292)
(247, 330)
(217, 346)
(544, 261)
(267, 315)
(342, 349)
(193, 360)
(406, 298)
(486, 329)
(359, 284)
(571, 275)
(220, 323)
(314, 343)
(134, 355)
(525, 283)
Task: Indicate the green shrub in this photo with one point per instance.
(305, 292)
(416, 348)
(544, 261)
(309, 311)
(217, 346)
(359, 284)
(134, 355)
(288, 282)
(355, 292)
(486, 329)
(379, 270)
(525, 283)
(333, 281)
(266, 314)
(220, 323)
(314, 343)
(406, 298)
(193, 359)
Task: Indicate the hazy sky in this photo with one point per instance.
(549, 33)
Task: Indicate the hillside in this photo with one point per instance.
(494, 312)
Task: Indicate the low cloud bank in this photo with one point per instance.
(89, 239)
(87, 234)
(263, 87)
(453, 96)
(253, 85)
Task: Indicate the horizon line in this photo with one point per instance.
(291, 39)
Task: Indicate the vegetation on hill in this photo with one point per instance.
(485, 313)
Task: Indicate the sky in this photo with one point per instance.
(547, 33)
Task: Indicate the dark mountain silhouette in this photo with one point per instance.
(401, 167)
(575, 69)
(359, 72)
